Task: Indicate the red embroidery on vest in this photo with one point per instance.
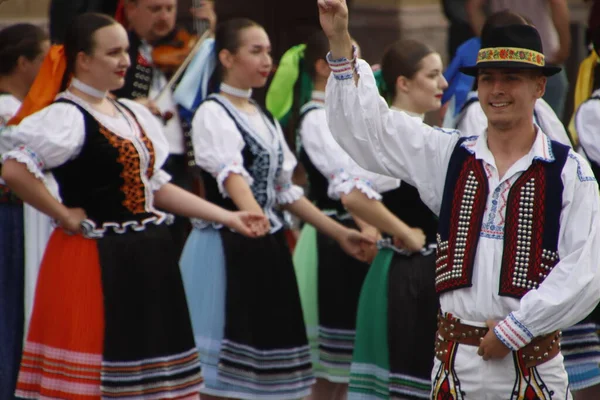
(141, 60)
(455, 257)
(525, 264)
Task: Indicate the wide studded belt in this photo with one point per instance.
(538, 351)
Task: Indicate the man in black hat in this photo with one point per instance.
(518, 240)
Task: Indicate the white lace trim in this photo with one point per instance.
(90, 230)
(388, 243)
(202, 224)
(357, 183)
(159, 179)
(233, 168)
(28, 157)
(34, 165)
(336, 179)
(289, 194)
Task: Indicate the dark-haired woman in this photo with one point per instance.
(243, 295)
(22, 49)
(110, 318)
(394, 347)
(329, 280)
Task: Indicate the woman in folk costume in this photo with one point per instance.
(110, 318)
(397, 312)
(581, 343)
(23, 63)
(22, 49)
(329, 280)
(243, 295)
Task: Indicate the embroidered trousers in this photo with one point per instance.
(466, 376)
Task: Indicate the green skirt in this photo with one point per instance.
(329, 283)
(395, 329)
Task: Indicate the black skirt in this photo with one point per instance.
(339, 279)
(413, 307)
(265, 347)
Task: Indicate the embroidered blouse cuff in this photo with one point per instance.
(159, 179)
(28, 157)
(513, 333)
(363, 185)
(342, 68)
(233, 168)
(336, 179)
(288, 193)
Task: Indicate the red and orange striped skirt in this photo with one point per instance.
(110, 320)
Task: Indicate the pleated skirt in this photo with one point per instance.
(11, 296)
(395, 329)
(110, 321)
(246, 314)
(581, 350)
(330, 282)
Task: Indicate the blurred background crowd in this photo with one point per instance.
(442, 24)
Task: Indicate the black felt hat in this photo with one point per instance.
(511, 46)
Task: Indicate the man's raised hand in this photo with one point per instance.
(333, 15)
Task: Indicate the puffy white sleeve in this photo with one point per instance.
(473, 121)
(587, 123)
(154, 131)
(8, 138)
(550, 124)
(572, 289)
(287, 192)
(371, 184)
(343, 174)
(46, 139)
(218, 144)
(386, 141)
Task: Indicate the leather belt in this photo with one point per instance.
(538, 351)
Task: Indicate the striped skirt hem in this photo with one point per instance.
(580, 346)
(80, 346)
(395, 329)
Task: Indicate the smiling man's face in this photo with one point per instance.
(508, 95)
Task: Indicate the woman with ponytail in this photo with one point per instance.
(110, 318)
(393, 354)
(329, 281)
(243, 294)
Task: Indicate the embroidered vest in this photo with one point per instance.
(532, 223)
(105, 178)
(405, 203)
(138, 78)
(257, 161)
